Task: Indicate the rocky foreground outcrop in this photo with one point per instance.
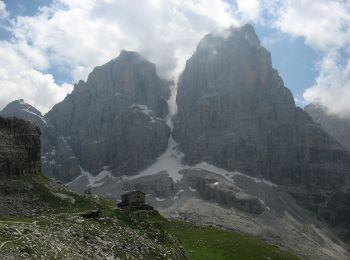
(54, 227)
(58, 160)
(19, 160)
(19, 148)
(337, 127)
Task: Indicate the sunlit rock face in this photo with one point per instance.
(116, 118)
(235, 112)
(337, 127)
(19, 148)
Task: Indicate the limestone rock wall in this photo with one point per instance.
(235, 112)
(116, 118)
(19, 148)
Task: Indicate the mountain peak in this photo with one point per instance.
(20, 109)
(20, 104)
(116, 117)
(124, 62)
(233, 37)
(230, 99)
(129, 54)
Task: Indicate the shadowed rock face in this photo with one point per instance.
(58, 160)
(116, 118)
(216, 189)
(235, 112)
(19, 148)
(339, 128)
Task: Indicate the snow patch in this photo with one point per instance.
(27, 108)
(230, 175)
(169, 162)
(269, 183)
(211, 168)
(98, 141)
(160, 199)
(192, 189)
(100, 178)
(144, 109)
(34, 114)
(180, 191)
(94, 181)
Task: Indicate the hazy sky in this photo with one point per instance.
(46, 46)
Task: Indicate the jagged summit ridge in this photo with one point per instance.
(235, 112)
(215, 40)
(116, 118)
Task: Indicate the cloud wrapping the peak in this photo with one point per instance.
(73, 37)
(70, 38)
(79, 35)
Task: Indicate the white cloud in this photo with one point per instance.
(325, 26)
(332, 88)
(75, 36)
(84, 34)
(35, 87)
(3, 11)
(249, 9)
(18, 80)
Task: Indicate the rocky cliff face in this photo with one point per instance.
(214, 188)
(339, 128)
(235, 112)
(19, 148)
(116, 118)
(19, 160)
(58, 160)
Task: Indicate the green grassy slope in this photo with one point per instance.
(212, 243)
(58, 231)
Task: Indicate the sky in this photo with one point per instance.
(48, 45)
